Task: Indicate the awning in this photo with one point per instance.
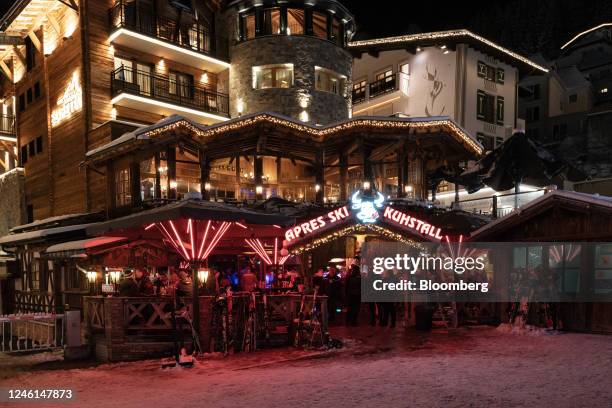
(76, 248)
(190, 209)
(69, 231)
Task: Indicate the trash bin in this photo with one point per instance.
(423, 317)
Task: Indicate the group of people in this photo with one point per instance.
(178, 281)
(340, 290)
(347, 292)
(139, 283)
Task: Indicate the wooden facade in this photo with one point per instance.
(565, 217)
(56, 44)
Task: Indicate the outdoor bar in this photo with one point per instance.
(184, 247)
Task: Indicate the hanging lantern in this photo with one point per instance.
(203, 275)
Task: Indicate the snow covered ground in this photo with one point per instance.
(479, 367)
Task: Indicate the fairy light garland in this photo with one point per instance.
(441, 35)
(214, 130)
(356, 229)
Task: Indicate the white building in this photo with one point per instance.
(450, 73)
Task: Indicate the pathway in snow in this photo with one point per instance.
(390, 368)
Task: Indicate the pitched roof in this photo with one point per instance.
(573, 197)
(446, 37)
(146, 132)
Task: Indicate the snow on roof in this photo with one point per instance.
(41, 233)
(444, 35)
(49, 221)
(82, 244)
(587, 199)
(141, 133)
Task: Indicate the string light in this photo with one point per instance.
(356, 229)
(179, 243)
(441, 35)
(319, 133)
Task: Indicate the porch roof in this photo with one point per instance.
(193, 209)
(68, 231)
(75, 247)
(220, 138)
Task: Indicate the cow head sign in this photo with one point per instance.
(367, 207)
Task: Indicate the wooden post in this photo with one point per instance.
(401, 174)
(111, 195)
(135, 183)
(368, 174)
(237, 161)
(157, 176)
(319, 177)
(343, 177)
(494, 207)
(258, 165)
(457, 193)
(204, 175)
(171, 161)
(279, 173)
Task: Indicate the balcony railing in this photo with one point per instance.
(162, 88)
(196, 36)
(383, 85)
(394, 82)
(7, 124)
(358, 96)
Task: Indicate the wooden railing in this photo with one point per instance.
(120, 322)
(34, 301)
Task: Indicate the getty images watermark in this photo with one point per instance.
(486, 272)
(387, 279)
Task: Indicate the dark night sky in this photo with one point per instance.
(527, 26)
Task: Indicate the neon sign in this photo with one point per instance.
(310, 227)
(69, 102)
(412, 223)
(367, 209)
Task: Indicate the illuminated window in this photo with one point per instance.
(329, 81)
(248, 24)
(123, 195)
(564, 262)
(295, 21)
(319, 25)
(271, 21)
(359, 91)
(273, 76)
(147, 179)
(180, 84)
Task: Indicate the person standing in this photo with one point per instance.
(388, 315)
(334, 293)
(248, 280)
(353, 294)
